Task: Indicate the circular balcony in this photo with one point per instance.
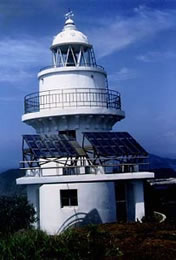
(72, 98)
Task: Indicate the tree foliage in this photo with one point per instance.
(15, 214)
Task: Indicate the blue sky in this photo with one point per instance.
(134, 40)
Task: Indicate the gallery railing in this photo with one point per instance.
(72, 98)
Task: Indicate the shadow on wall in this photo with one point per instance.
(81, 219)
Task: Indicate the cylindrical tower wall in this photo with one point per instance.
(66, 79)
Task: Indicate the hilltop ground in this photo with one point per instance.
(143, 241)
(135, 241)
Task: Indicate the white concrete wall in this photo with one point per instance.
(65, 79)
(139, 200)
(87, 178)
(135, 200)
(96, 204)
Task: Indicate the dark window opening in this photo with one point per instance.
(70, 60)
(70, 133)
(68, 198)
(121, 205)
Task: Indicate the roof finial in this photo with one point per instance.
(69, 14)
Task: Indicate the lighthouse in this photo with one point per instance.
(78, 171)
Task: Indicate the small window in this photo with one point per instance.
(71, 134)
(68, 198)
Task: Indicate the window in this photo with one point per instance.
(68, 198)
(70, 133)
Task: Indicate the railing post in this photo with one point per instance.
(62, 98)
(76, 97)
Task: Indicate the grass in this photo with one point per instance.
(131, 241)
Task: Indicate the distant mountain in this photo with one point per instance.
(157, 162)
(8, 185)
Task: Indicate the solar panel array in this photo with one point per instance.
(115, 144)
(52, 146)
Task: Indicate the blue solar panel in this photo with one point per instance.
(49, 146)
(115, 144)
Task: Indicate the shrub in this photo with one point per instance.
(15, 214)
(88, 243)
(26, 245)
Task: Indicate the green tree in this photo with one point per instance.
(15, 214)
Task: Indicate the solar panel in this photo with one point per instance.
(115, 144)
(49, 146)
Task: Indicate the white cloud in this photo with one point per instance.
(13, 76)
(19, 56)
(155, 56)
(123, 74)
(120, 32)
(22, 51)
(170, 134)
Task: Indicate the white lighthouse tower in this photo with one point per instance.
(77, 170)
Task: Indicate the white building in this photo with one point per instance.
(77, 170)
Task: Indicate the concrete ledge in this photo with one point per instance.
(54, 112)
(85, 178)
(54, 70)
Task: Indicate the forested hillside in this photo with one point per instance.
(8, 185)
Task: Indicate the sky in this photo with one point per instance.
(135, 41)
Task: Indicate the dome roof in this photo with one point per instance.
(69, 34)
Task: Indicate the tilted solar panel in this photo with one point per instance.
(49, 146)
(115, 144)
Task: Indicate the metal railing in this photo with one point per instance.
(72, 65)
(72, 98)
(120, 168)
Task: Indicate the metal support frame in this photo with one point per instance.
(60, 58)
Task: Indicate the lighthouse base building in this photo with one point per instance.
(81, 190)
(78, 171)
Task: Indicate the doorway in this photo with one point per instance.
(121, 201)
